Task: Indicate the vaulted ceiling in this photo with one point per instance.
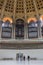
(21, 9)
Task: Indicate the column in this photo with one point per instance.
(13, 31)
(25, 31)
(0, 29)
(25, 25)
(39, 27)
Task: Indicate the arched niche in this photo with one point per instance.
(6, 28)
(19, 29)
(32, 28)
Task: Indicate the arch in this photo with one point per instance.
(22, 21)
(7, 28)
(19, 31)
(7, 19)
(32, 28)
(32, 20)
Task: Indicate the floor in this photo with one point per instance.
(12, 62)
(33, 53)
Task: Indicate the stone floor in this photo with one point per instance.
(12, 62)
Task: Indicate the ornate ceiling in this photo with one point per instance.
(21, 9)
